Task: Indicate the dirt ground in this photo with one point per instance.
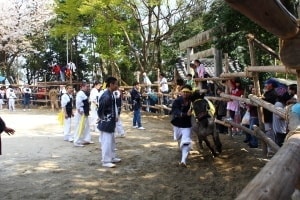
(37, 163)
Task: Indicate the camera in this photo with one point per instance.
(27, 89)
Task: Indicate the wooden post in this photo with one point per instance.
(298, 85)
(257, 90)
(227, 90)
(190, 51)
(218, 62)
(278, 178)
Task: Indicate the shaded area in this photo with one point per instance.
(37, 164)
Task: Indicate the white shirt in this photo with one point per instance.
(201, 71)
(71, 66)
(65, 98)
(27, 90)
(94, 95)
(164, 85)
(10, 93)
(80, 96)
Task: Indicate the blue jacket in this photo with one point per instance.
(179, 114)
(107, 112)
(136, 99)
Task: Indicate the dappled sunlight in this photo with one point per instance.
(47, 165)
(149, 168)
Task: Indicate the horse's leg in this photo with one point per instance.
(216, 137)
(218, 143)
(210, 147)
(200, 141)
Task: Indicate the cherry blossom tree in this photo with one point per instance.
(20, 21)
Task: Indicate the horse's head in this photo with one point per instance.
(200, 105)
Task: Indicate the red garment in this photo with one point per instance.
(56, 69)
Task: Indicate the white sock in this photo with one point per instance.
(184, 152)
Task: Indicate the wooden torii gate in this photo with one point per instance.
(279, 178)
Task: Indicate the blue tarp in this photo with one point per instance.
(282, 85)
(2, 78)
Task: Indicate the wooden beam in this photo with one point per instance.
(210, 79)
(263, 46)
(269, 14)
(197, 40)
(202, 54)
(260, 102)
(278, 178)
(235, 74)
(278, 69)
(228, 96)
(257, 132)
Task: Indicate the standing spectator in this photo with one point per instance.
(234, 106)
(292, 89)
(26, 97)
(63, 73)
(280, 124)
(67, 108)
(94, 100)
(2, 97)
(136, 99)
(120, 132)
(190, 81)
(220, 111)
(147, 82)
(53, 96)
(11, 96)
(164, 88)
(181, 121)
(56, 71)
(251, 139)
(107, 124)
(72, 69)
(6, 129)
(270, 96)
(200, 69)
(82, 134)
(201, 72)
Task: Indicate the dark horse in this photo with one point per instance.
(203, 125)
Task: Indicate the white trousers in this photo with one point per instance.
(119, 127)
(183, 135)
(68, 136)
(108, 146)
(93, 117)
(85, 136)
(11, 104)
